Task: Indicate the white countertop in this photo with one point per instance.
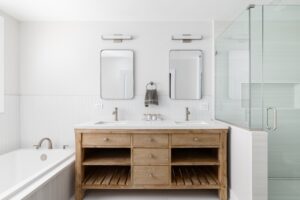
(165, 124)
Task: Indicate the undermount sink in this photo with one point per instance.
(111, 123)
(131, 123)
(191, 123)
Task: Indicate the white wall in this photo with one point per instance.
(1, 64)
(60, 69)
(9, 120)
(248, 164)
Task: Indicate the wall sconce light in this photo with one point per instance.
(187, 38)
(117, 38)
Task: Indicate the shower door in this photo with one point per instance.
(281, 99)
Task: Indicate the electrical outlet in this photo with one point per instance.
(99, 105)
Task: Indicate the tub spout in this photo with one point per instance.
(41, 142)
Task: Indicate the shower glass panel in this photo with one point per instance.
(281, 74)
(232, 73)
(258, 87)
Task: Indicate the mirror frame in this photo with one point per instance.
(133, 71)
(169, 78)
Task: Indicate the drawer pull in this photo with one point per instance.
(151, 175)
(151, 155)
(152, 140)
(196, 139)
(106, 139)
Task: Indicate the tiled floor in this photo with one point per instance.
(151, 195)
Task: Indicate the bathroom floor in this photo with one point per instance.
(151, 195)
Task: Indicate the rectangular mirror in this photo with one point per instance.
(117, 74)
(185, 74)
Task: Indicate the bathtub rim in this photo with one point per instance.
(30, 184)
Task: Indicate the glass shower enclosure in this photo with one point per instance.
(258, 87)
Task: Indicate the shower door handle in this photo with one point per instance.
(274, 127)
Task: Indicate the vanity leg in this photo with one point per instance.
(79, 170)
(79, 194)
(223, 194)
(222, 171)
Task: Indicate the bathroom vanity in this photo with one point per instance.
(151, 156)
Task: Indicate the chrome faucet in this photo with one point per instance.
(115, 113)
(187, 113)
(41, 142)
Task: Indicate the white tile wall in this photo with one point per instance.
(260, 165)
(1, 64)
(248, 164)
(9, 120)
(60, 70)
(240, 163)
(9, 124)
(55, 116)
(63, 58)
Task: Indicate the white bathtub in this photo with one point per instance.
(23, 171)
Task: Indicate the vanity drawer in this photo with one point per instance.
(150, 156)
(105, 139)
(150, 140)
(196, 139)
(151, 175)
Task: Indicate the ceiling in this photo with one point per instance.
(119, 10)
(129, 10)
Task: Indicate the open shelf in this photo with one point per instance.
(195, 176)
(108, 176)
(107, 156)
(194, 156)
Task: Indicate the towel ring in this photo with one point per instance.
(151, 84)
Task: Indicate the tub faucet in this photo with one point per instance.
(41, 142)
(187, 113)
(115, 113)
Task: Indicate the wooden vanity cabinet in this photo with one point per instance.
(151, 159)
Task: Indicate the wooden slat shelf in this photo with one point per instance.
(194, 157)
(104, 177)
(199, 177)
(108, 157)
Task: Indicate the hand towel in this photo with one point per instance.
(151, 97)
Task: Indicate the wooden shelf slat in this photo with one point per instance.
(123, 177)
(195, 177)
(107, 177)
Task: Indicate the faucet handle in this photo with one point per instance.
(65, 146)
(187, 109)
(36, 146)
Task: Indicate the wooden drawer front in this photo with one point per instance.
(196, 139)
(151, 175)
(103, 139)
(150, 156)
(148, 140)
